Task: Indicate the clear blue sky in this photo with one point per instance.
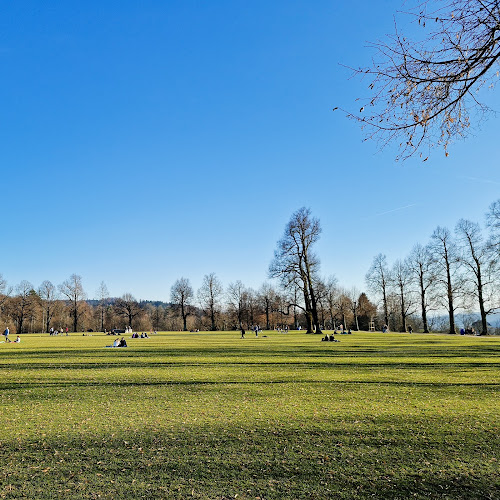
(141, 142)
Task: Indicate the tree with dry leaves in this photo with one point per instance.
(424, 93)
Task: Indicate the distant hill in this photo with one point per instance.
(111, 300)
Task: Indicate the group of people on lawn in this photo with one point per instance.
(143, 335)
(119, 343)
(6, 334)
(123, 343)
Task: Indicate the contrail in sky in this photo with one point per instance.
(390, 211)
(486, 181)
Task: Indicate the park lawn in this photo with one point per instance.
(210, 415)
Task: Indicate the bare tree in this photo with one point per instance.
(156, 314)
(181, 294)
(331, 298)
(493, 222)
(445, 255)
(321, 301)
(252, 306)
(5, 292)
(422, 92)
(423, 269)
(48, 295)
(128, 307)
(237, 300)
(21, 304)
(353, 298)
(102, 296)
(343, 306)
(477, 259)
(295, 263)
(267, 297)
(72, 289)
(209, 297)
(3, 284)
(401, 280)
(377, 279)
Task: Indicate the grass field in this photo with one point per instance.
(210, 415)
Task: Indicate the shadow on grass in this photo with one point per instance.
(152, 383)
(272, 462)
(342, 364)
(276, 350)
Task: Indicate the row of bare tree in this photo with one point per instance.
(451, 272)
(454, 271)
(26, 309)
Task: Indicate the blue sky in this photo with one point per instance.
(141, 142)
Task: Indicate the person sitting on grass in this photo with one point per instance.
(115, 343)
(18, 339)
(123, 342)
(325, 338)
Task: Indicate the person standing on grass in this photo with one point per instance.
(6, 334)
(242, 332)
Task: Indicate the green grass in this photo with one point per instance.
(210, 415)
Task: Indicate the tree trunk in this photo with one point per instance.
(212, 318)
(386, 312)
(47, 322)
(309, 322)
(75, 317)
(315, 313)
(451, 311)
(308, 312)
(484, 323)
(184, 317)
(20, 324)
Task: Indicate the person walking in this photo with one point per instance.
(6, 334)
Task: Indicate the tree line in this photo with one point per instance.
(297, 298)
(453, 272)
(26, 309)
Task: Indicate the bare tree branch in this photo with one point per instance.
(425, 91)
